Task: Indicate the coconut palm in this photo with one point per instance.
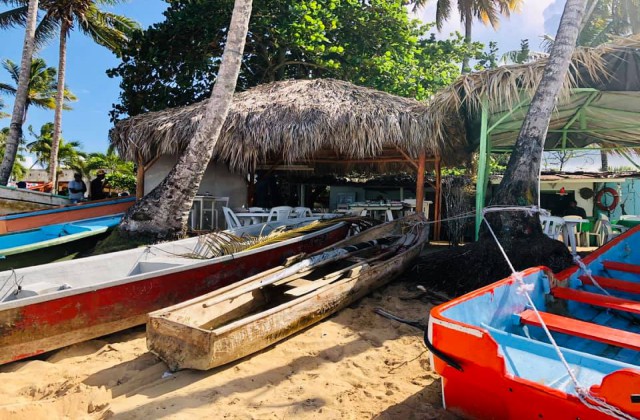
(2, 114)
(29, 17)
(487, 11)
(106, 29)
(164, 211)
(70, 155)
(110, 161)
(19, 170)
(42, 87)
(519, 183)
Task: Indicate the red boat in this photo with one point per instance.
(498, 362)
(16, 222)
(50, 306)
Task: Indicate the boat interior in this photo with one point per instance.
(235, 305)
(597, 327)
(129, 265)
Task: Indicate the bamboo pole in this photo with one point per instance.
(420, 182)
(140, 178)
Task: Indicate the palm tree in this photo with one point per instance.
(487, 11)
(2, 114)
(69, 153)
(15, 128)
(19, 170)
(164, 211)
(106, 29)
(110, 161)
(519, 183)
(42, 86)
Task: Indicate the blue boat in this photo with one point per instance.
(497, 361)
(53, 242)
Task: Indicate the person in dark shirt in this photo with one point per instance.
(97, 186)
(574, 210)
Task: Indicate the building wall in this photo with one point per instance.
(217, 181)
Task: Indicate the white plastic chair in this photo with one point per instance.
(280, 213)
(575, 232)
(257, 210)
(231, 218)
(607, 229)
(302, 211)
(552, 226)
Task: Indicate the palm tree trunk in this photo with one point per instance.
(468, 23)
(163, 213)
(57, 119)
(19, 106)
(519, 185)
(604, 161)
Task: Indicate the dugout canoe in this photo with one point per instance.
(54, 305)
(241, 319)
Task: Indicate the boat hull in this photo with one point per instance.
(65, 214)
(498, 366)
(184, 347)
(51, 324)
(19, 199)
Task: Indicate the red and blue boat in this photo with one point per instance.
(497, 361)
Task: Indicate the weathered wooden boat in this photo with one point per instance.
(248, 316)
(16, 222)
(19, 199)
(54, 242)
(50, 306)
(497, 361)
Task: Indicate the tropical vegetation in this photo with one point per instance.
(19, 170)
(70, 155)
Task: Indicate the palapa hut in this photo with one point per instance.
(599, 105)
(310, 122)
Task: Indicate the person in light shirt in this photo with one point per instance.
(77, 188)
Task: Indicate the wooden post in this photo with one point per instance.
(420, 182)
(251, 188)
(437, 211)
(140, 178)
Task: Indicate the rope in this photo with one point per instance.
(583, 394)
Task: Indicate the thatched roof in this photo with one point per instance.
(611, 68)
(289, 121)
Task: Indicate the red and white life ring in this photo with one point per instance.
(600, 196)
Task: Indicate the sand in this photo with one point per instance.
(353, 365)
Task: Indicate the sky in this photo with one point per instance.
(87, 62)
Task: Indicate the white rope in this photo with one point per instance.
(583, 394)
(587, 271)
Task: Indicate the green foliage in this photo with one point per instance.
(372, 44)
(69, 154)
(488, 59)
(121, 181)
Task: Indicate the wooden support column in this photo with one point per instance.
(420, 182)
(437, 212)
(251, 188)
(140, 178)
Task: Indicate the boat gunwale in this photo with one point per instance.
(65, 208)
(189, 264)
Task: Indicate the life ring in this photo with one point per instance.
(600, 204)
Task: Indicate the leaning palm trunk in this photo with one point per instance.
(519, 185)
(19, 106)
(57, 119)
(163, 213)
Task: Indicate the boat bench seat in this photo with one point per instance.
(596, 299)
(158, 264)
(619, 266)
(36, 289)
(612, 284)
(588, 330)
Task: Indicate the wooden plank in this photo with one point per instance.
(596, 299)
(588, 330)
(612, 284)
(299, 283)
(618, 266)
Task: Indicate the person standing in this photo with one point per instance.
(97, 186)
(77, 188)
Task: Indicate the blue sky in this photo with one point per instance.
(87, 62)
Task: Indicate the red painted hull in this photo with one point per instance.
(35, 219)
(40, 327)
(485, 390)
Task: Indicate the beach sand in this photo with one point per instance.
(353, 365)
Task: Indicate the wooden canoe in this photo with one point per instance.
(16, 222)
(50, 306)
(241, 319)
(19, 199)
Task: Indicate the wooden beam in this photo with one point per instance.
(438, 200)
(140, 178)
(251, 188)
(420, 182)
(408, 158)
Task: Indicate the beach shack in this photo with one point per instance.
(319, 125)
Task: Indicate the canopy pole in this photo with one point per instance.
(251, 188)
(481, 181)
(422, 158)
(437, 212)
(140, 178)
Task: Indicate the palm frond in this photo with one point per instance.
(14, 17)
(108, 29)
(46, 30)
(443, 12)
